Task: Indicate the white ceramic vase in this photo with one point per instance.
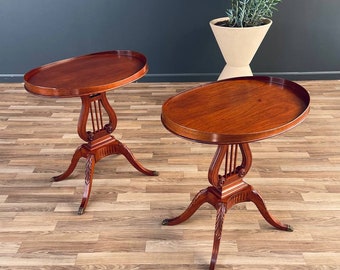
(238, 46)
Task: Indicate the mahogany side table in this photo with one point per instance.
(90, 77)
(230, 114)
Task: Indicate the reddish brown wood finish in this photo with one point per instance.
(89, 77)
(86, 75)
(232, 113)
(236, 110)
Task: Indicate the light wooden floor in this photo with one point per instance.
(297, 173)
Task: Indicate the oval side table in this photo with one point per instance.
(230, 114)
(90, 77)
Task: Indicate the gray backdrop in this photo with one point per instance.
(175, 36)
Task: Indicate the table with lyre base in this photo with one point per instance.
(231, 114)
(90, 77)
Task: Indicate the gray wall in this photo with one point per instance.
(303, 42)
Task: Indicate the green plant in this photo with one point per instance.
(247, 13)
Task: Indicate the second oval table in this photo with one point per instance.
(231, 113)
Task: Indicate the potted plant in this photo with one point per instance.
(240, 34)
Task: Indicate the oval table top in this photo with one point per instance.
(237, 110)
(87, 74)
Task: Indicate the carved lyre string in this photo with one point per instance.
(102, 120)
(230, 159)
(234, 167)
(96, 116)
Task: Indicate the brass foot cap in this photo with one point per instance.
(165, 222)
(81, 211)
(289, 228)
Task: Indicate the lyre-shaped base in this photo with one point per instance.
(227, 190)
(99, 142)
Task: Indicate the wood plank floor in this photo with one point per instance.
(297, 173)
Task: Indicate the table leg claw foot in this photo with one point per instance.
(54, 179)
(81, 210)
(83, 205)
(289, 228)
(155, 173)
(173, 221)
(59, 177)
(165, 221)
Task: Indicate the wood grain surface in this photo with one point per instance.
(297, 173)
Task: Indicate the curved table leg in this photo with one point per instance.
(256, 198)
(126, 152)
(199, 199)
(76, 156)
(89, 171)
